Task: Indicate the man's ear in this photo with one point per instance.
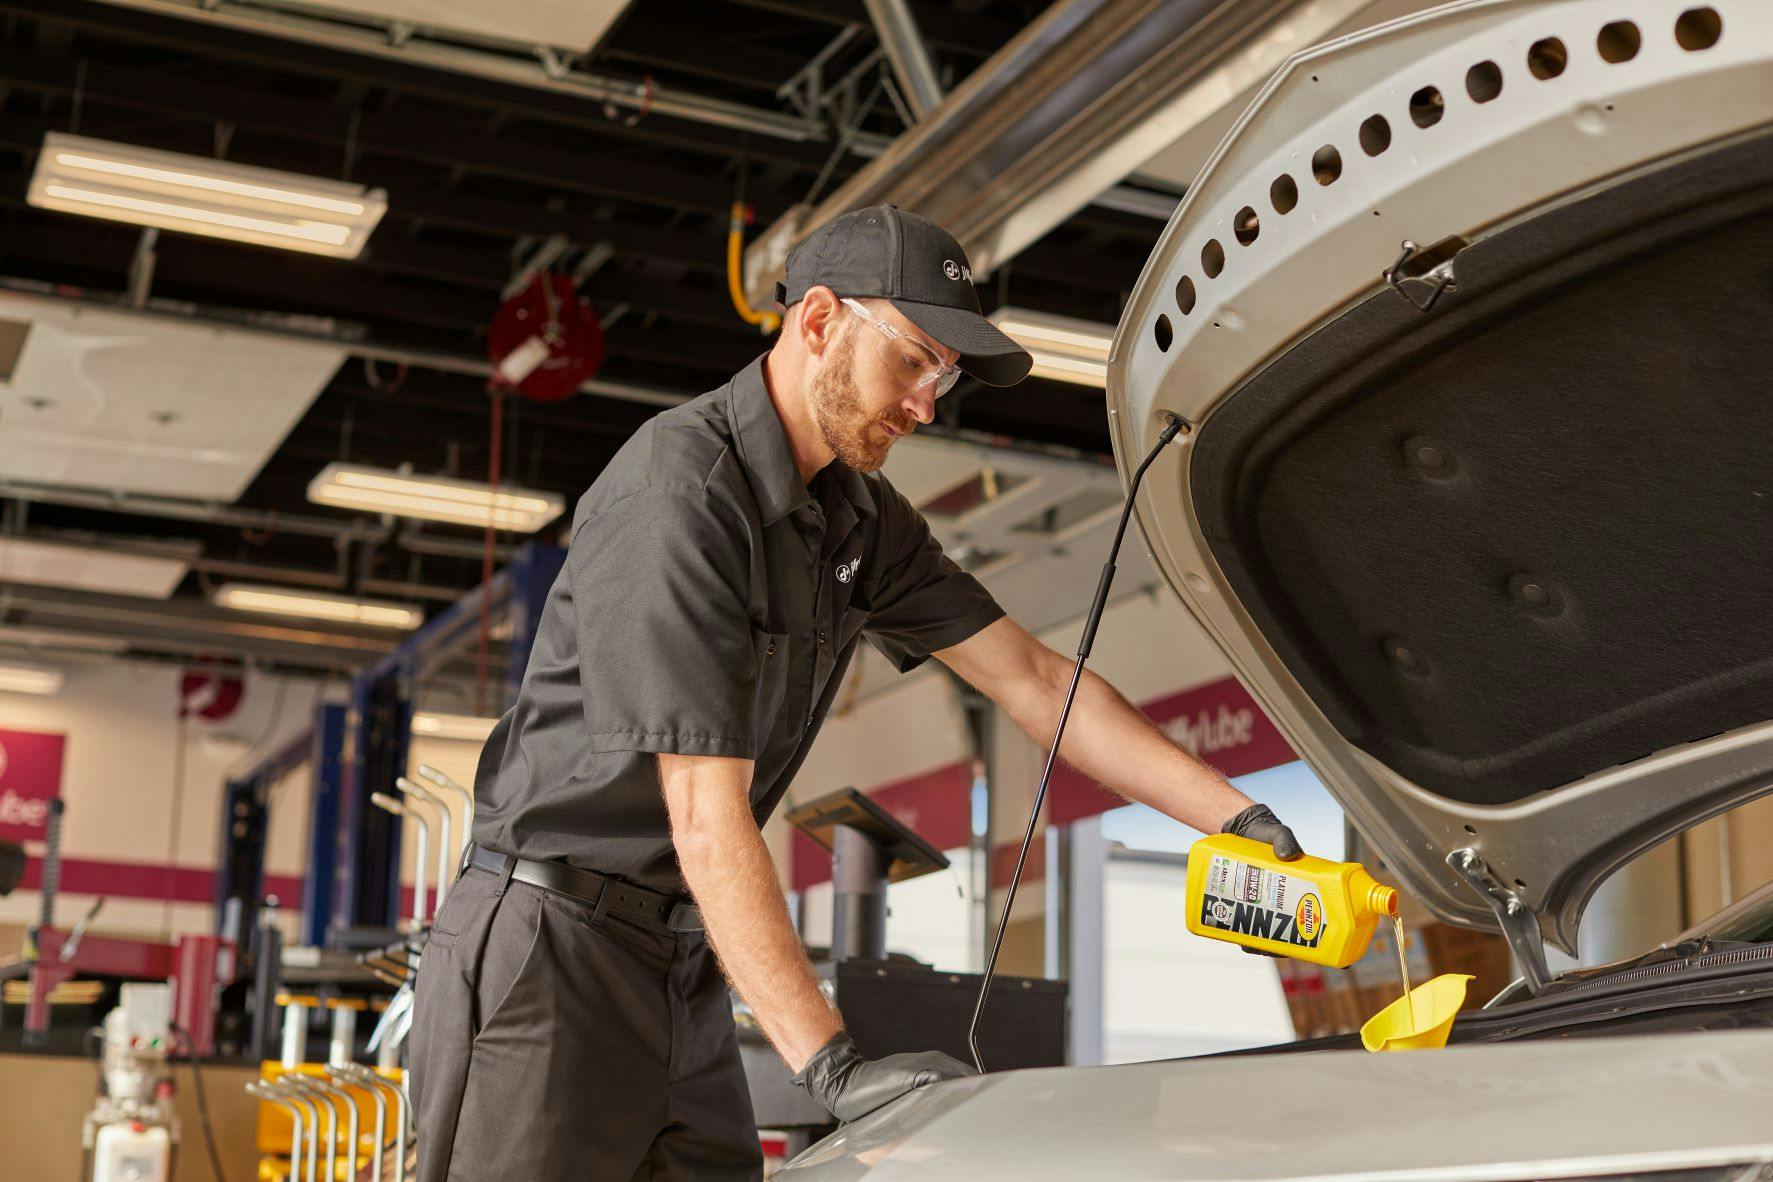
(819, 318)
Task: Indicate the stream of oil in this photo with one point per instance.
(1403, 968)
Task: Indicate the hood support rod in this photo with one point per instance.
(1520, 927)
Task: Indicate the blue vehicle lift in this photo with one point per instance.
(352, 889)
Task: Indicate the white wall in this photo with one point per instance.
(1167, 993)
(122, 728)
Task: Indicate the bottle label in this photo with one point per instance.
(1251, 901)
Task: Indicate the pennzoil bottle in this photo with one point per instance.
(1308, 909)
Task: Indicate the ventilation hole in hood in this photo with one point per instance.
(1619, 41)
(1284, 194)
(1427, 106)
(1698, 28)
(13, 334)
(1375, 135)
(1212, 258)
(1547, 58)
(1483, 82)
(1246, 225)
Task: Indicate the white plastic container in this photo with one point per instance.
(129, 1151)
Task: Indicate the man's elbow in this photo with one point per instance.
(707, 799)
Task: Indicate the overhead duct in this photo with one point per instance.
(1075, 103)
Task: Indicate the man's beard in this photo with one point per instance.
(837, 409)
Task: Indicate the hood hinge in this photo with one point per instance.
(1520, 927)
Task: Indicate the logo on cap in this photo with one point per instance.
(954, 270)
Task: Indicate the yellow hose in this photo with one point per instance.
(735, 286)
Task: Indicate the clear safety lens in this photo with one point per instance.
(907, 359)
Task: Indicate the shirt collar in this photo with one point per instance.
(767, 459)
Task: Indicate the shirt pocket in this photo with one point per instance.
(770, 650)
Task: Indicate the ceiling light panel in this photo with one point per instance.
(434, 498)
(1064, 348)
(566, 24)
(82, 568)
(467, 727)
(197, 195)
(29, 679)
(313, 605)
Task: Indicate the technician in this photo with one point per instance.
(572, 1020)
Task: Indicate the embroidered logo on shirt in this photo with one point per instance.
(847, 570)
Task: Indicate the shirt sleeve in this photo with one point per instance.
(667, 660)
(920, 601)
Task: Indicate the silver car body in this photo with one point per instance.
(1495, 1113)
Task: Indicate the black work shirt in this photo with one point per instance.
(710, 603)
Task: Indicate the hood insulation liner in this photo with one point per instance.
(1529, 535)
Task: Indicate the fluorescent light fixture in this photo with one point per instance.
(468, 727)
(1064, 348)
(196, 195)
(54, 639)
(434, 498)
(313, 605)
(29, 679)
(89, 568)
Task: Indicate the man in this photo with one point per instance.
(571, 1019)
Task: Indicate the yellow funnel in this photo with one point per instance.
(1422, 1018)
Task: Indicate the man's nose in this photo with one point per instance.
(920, 404)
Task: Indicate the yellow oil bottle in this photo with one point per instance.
(1309, 909)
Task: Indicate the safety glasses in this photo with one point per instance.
(908, 359)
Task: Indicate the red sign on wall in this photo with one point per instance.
(1219, 723)
(30, 777)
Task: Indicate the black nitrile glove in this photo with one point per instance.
(851, 1087)
(1258, 823)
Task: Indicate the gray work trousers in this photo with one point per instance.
(548, 1043)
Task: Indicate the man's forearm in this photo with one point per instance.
(1110, 741)
(729, 871)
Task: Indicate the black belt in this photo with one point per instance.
(605, 894)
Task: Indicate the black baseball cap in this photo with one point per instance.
(884, 252)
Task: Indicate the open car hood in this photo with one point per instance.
(1500, 569)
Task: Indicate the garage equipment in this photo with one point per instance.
(273, 1097)
(312, 1121)
(194, 966)
(891, 1004)
(131, 1132)
(869, 848)
(446, 851)
(420, 899)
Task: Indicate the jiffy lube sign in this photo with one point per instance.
(30, 777)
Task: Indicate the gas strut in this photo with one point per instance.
(1177, 426)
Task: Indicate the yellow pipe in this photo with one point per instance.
(769, 322)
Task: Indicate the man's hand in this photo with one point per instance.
(1258, 823)
(851, 1087)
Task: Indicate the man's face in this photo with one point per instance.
(860, 409)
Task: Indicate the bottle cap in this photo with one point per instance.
(1382, 900)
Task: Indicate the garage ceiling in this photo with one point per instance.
(479, 174)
